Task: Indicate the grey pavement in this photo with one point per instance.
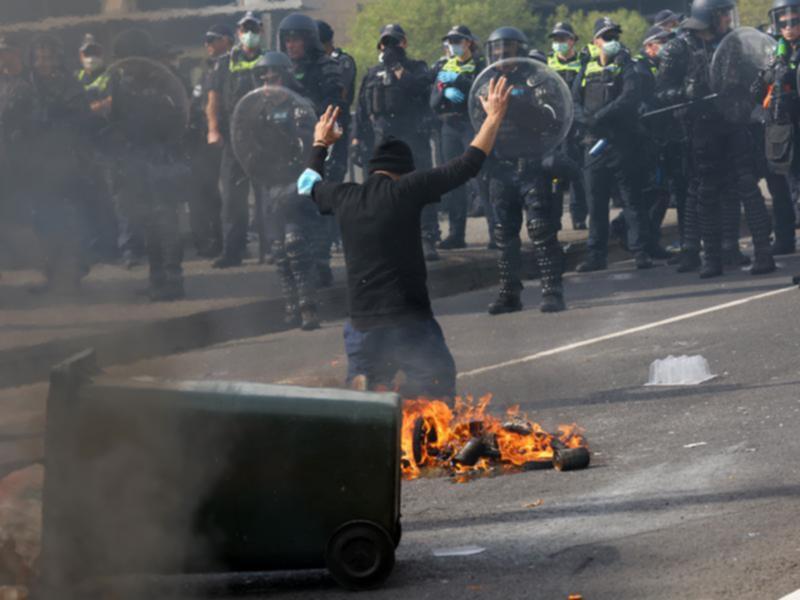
(113, 315)
(692, 493)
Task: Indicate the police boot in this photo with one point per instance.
(453, 242)
(309, 320)
(762, 264)
(429, 250)
(689, 261)
(553, 300)
(658, 252)
(733, 257)
(592, 263)
(642, 261)
(712, 266)
(507, 301)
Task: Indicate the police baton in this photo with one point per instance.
(668, 109)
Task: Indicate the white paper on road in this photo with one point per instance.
(458, 551)
(679, 370)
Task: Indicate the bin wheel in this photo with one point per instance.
(360, 555)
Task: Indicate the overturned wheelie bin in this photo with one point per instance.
(166, 478)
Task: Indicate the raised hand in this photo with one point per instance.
(496, 102)
(327, 131)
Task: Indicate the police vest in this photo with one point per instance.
(601, 84)
(97, 87)
(454, 65)
(240, 78)
(568, 70)
(644, 59)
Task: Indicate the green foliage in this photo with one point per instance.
(754, 12)
(426, 21)
(633, 24)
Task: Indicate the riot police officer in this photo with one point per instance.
(522, 185)
(564, 60)
(57, 151)
(232, 80)
(608, 93)
(147, 122)
(776, 91)
(337, 164)
(724, 167)
(205, 202)
(453, 80)
(320, 78)
(394, 101)
(289, 220)
(16, 100)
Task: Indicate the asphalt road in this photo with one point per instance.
(693, 491)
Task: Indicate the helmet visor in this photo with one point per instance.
(500, 49)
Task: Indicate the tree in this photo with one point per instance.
(426, 21)
(633, 24)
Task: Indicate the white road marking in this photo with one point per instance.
(792, 596)
(623, 333)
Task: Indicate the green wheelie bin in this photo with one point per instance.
(169, 478)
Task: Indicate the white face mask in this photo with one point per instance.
(250, 40)
(380, 57)
(456, 49)
(560, 47)
(612, 48)
(92, 63)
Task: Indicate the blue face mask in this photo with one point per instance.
(306, 182)
(250, 40)
(612, 48)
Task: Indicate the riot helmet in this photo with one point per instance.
(785, 18)
(718, 16)
(273, 68)
(298, 37)
(506, 42)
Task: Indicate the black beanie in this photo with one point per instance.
(393, 156)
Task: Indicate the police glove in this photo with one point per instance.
(446, 77)
(455, 95)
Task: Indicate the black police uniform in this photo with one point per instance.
(232, 79)
(518, 186)
(152, 178)
(337, 162)
(319, 78)
(205, 201)
(776, 91)
(569, 69)
(58, 151)
(607, 98)
(456, 132)
(388, 106)
(722, 159)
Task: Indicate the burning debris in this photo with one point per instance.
(465, 441)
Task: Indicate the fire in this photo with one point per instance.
(466, 440)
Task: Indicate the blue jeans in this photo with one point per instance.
(417, 348)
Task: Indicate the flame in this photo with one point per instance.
(434, 435)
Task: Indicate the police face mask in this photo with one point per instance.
(250, 40)
(92, 63)
(612, 48)
(560, 47)
(456, 49)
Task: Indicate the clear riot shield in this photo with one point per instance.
(736, 64)
(540, 113)
(149, 102)
(272, 133)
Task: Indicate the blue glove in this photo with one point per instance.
(455, 95)
(446, 77)
(307, 181)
